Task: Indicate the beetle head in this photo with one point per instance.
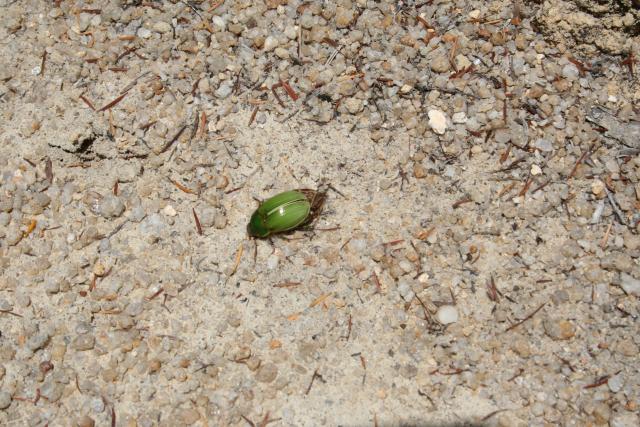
(257, 226)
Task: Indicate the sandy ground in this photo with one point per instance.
(477, 265)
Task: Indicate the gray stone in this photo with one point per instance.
(224, 90)
(37, 341)
(83, 342)
(52, 286)
(51, 390)
(404, 288)
(5, 399)
(5, 305)
(630, 284)
(267, 373)
(111, 206)
(625, 419)
(543, 145)
(570, 72)
(559, 329)
(616, 383)
(13, 235)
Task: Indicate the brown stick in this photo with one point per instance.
(44, 59)
(515, 325)
(313, 378)
(86, 101)
(575, 167)
(113, 103)
(292, 94)
(198, 226)
(461, 202)
(253, 115)
(172, 140)
(601, 381)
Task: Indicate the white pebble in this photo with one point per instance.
(219, 23)
(616, 383)
(272, 262)
(437, 121)
(447, 314)
(270, 43)
(169, 211)
(459, 118)
(144, 33)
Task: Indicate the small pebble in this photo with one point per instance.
(625, 419)
(353, 105)
(267, 373)
(447, 314)
(559, 330)
(13, 235)
(270, 43)
(459, 118)
(437, 121)
(97, 405)
(37, 341)
(630, 284)
(85, 421)
(52, 287)
(440, 64)
(5, 305)
(169, 211)
(272, 262)
(543, 145)
(615, 383)
(83, 342)
(162, 27)
(224, 90)
(111, 206)
(189, 416)
(404, 288)
(597, 187)
(144, 33)
(52, 390)
(5, 399)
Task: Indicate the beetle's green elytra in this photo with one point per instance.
(285, 211)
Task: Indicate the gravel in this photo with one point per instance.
(477, 259)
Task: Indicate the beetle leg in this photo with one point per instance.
(255, 251)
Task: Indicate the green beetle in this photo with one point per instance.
(286, 211)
